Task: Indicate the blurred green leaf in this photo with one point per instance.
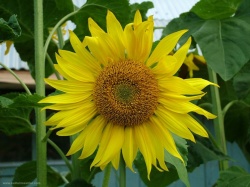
(97, 10)
(215, 9)
(224, 43)
(15, 109)
(142, 7)
(9, 30)
(241, 82)
(54, 10)
(233, 176)
(27, 172)
(78, 183)
(88, 174)
(237, 126)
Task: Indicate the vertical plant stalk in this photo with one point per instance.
(219, 121)
(40, 89)
(76, 172)
(122, 168)
(107, 172)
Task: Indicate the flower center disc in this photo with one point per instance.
(126, 93)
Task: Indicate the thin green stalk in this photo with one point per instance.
(60, 37)
(19, 80)
(122, 168)
(76, 172)
(62, 21)
(219, 121)
(52, 66)
(40, 89)
(59, 151)
(106, 177)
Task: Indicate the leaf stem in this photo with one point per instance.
(59, 151)
(122, 169)
(106, 177)
(52, 66)
(219, 121)
(40, 90)
(76, 171)
(17, 78)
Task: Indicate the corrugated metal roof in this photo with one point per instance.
(163, 12)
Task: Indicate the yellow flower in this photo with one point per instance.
(189, 61)
(8, 44)
(122, 98)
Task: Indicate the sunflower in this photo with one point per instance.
(190, 63)
(120, 98)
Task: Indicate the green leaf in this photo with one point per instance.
(176, 162)
(142, 7)
(237, 126)
(224, 43)
(233, 176)
(202, 152)
(78, 183)
(88, 174)
(54, 10)
(97, 10)
(241, 82)
(215, 9)
(9, 30)
(15, 112)
(27, 172)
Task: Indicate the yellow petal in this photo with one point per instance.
(177, 85)
(94, 28)
(167, 119)
(184, 107)
(110, 144)
(93, 136)
(71, 86)
(115, 31)
(164, 47)
(116, 160)
(199, 83)
(167, 140)
(180, 55)
(129, 149)
(65, 98)
(76, 72)
(164, 66)
(137, 18)
(145, 146)
(129, 41)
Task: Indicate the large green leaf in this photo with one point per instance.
(215, 9)
(241, 82)
(224, 43)
(232, 177)
(9, 30)
(15, 112)
(27, 172)
(54, 10)
(97, 10)
(237, 126)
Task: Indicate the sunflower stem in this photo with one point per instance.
(40, 89)
(17, 78)
(122, 169)
(219, 121)
(52, 66)
(106, 177)
(59, 151)
(76, 172)
(60, 38)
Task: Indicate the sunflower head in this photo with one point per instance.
(122, 98)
